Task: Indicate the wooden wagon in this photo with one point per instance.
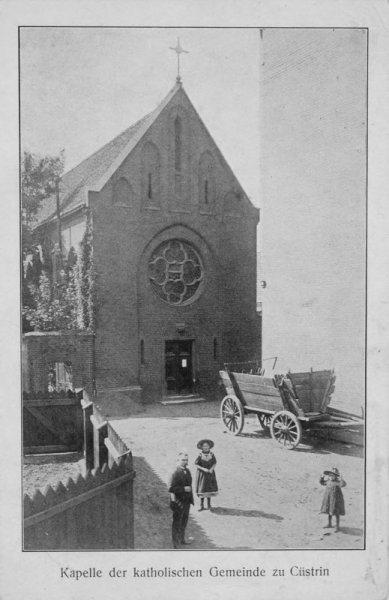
(285, 405)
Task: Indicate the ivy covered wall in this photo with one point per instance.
(58, 287)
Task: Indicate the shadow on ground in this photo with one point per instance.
(117, 407)
(255, 434)
(334, 447)
(237, 512)
(312, 442)
(304, 446)
(312, 449)
(351, 530)
(153, 516)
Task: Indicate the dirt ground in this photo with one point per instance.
(41, 471)
(269, 497)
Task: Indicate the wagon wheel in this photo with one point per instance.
(265, 421)
(286, 429)
(232, 414)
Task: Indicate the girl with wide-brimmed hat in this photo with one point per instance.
(333, 501)
(206, 484)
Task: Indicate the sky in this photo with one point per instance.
(313, 173)
(80, 87)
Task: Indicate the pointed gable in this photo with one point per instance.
(94, 172)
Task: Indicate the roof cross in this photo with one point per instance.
(178, 50)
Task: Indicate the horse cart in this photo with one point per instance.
(285, 405)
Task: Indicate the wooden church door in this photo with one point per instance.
(178, 366)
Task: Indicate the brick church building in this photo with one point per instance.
(174, 251)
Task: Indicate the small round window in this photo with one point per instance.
(176, 272)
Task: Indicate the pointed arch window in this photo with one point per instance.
(122, 193)
(178, 144)
(150, 186)
(179, 156)
(206, 183)
(142, 352)
(150, 174)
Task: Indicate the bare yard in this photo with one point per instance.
(269, 497)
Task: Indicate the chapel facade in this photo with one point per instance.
(174, 252)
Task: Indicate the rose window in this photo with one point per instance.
(176, 272)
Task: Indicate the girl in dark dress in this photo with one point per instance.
(206, 484)
(333, 501)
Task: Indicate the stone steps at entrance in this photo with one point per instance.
(187, 399)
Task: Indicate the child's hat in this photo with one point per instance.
(333, 471)
(202, 442)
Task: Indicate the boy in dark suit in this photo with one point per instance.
(181, 497)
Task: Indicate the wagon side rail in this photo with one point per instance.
(313, 390)
(328, 392)
(288, 395)
(234, 387)
(252, 367)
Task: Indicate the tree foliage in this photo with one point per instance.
(54, 304)
(66, 303)
(39, 177)
(86, 276)
(57, 291)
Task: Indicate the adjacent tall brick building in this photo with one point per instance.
(174, 248)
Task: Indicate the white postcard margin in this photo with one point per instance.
(354, 574)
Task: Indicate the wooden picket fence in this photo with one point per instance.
(92, 512)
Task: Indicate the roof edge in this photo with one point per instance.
(225, 163)
(100, 183)
(53, 218)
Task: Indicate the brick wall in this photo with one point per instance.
(41, 348)
(124, 238)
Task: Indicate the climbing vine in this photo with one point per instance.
(86, 277)
(54, 306)
(63, 298)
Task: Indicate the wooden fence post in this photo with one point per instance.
(130, 537)
(100, 432)
(87, 408)
(114, 455)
